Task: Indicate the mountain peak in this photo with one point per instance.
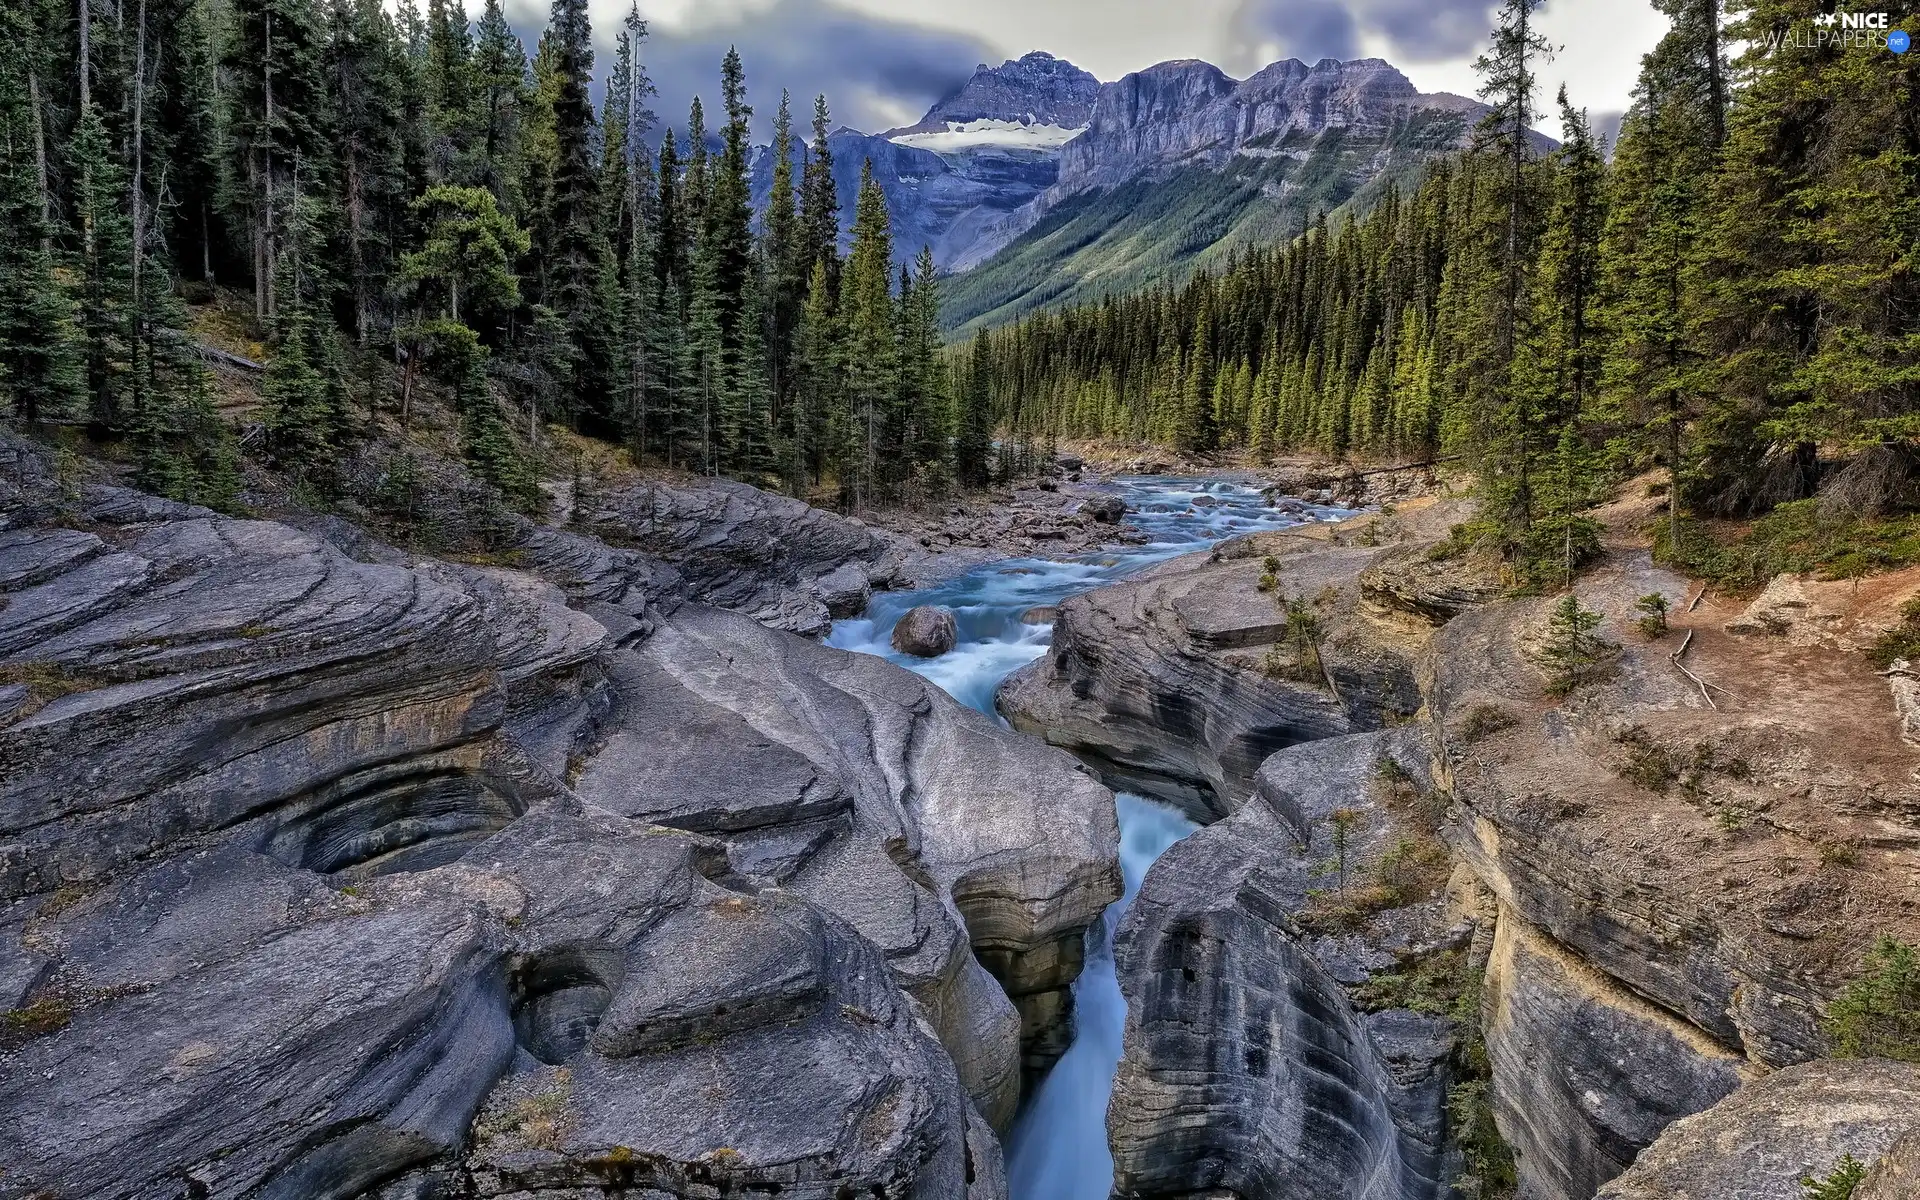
(1036, 89)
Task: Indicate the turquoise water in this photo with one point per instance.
(1057, 1149)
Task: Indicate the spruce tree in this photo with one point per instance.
(41, 353)
(872, 361)
(570, 282)
(499, 81)
(819, 202)
(973, 441)
(1512, 439)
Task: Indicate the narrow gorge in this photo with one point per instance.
(1451, 932)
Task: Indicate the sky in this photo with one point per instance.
(881, 63)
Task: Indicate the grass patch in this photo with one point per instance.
(38, 1019)
(1483, 721)
(1902, 641)
(1794, 537)
(539, 1120)
(45, 682)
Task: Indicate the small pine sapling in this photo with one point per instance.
(1270, 577)
(1572, 653)
(1838, 1184)
(1343, 822)
(1653, 607)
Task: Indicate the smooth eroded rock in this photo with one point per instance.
(1250, 1068)
(1760, 1142)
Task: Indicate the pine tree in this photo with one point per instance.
(366, 67)
(785, 271)
(280, 148)
(499, 79)
(819, 202)
(41, 358)
(822, 418)
(449, 83)
(632, 220)
(571, 280)
(973, 441)
(1513, 439)
(872, 361)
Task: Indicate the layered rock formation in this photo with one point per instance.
(332, 877)
(1660, 879)
(1181, 682)
(1190, 113)
(1257, 1061)
(1798, 1123)
(777, 560)
(1682, 883)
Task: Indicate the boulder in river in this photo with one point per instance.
(1105, 509)
(925, 632)
(1040, 614)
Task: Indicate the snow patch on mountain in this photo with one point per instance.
(961, 136)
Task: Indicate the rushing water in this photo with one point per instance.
(1058, 1147)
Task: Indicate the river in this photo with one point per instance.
(1057, 1149)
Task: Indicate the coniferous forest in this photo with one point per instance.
(1734, 290)
(413, 201)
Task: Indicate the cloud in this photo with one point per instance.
(1607, 125)
(1412, 30)
(877, 73)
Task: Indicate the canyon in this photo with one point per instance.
(586, 869)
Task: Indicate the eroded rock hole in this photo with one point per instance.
(559, 997)
(411, 823)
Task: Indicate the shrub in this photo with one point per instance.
(1482, 721)
(1902, 641)
(1490, 1169)
(1459, 540)
(1794, 537)
(1430, 984)
(37, 1019)
(1878, 1016)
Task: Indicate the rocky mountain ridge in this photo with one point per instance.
(1017, 141)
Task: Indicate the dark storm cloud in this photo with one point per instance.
(1416, 30)
(876, 73)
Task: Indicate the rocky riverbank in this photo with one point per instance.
(330, 870)
(1446, 900)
